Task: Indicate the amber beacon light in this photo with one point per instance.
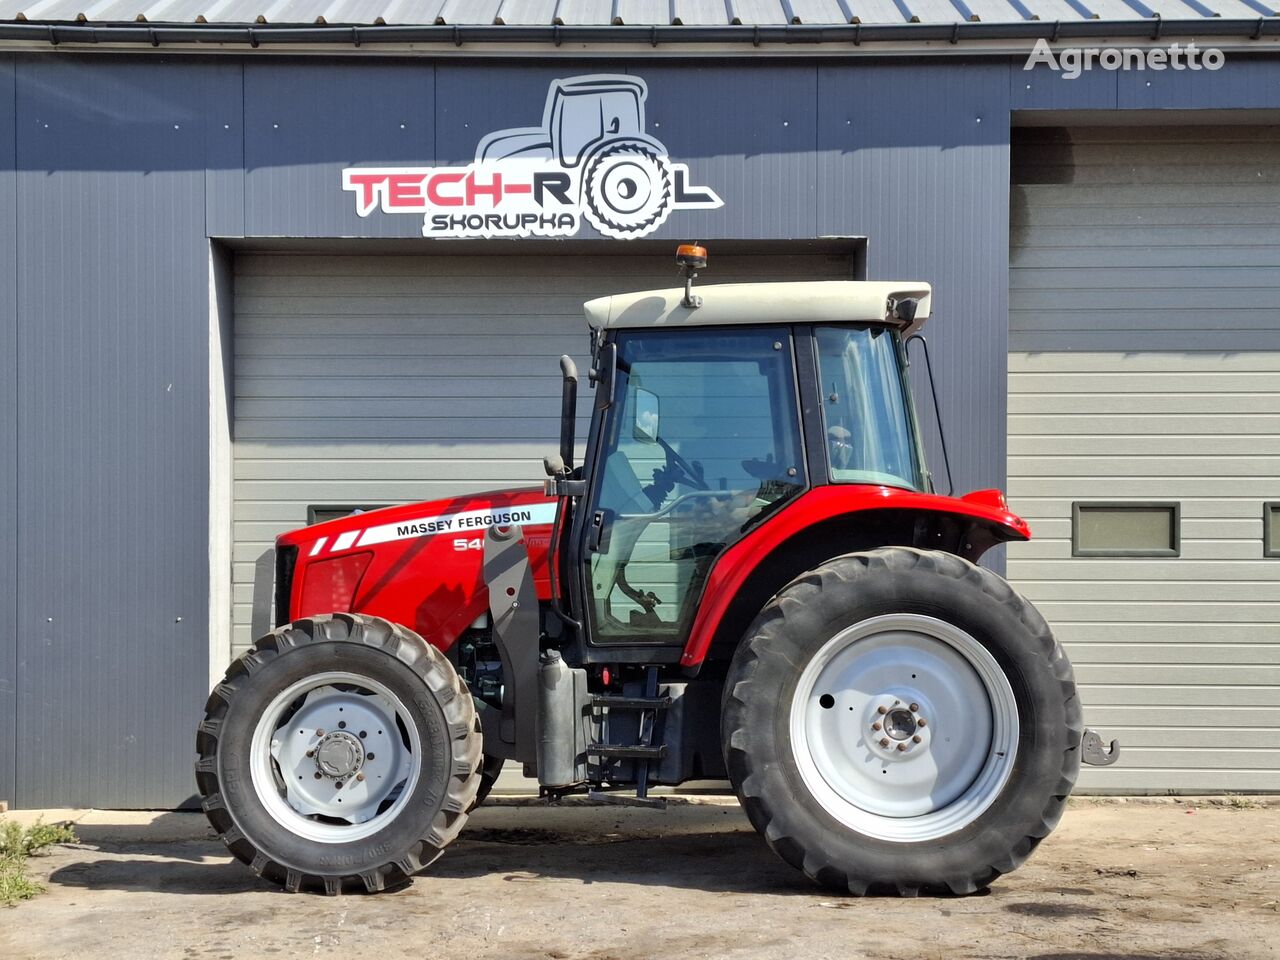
(691, 257)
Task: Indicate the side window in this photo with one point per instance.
(705, 439)
(871, 436)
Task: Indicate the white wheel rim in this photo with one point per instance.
(886, 774)
(335, 767)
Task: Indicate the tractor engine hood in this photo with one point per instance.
(419, 564)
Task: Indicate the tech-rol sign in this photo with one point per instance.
(591, 159)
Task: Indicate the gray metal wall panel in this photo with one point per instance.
(224, 146)
(8, 430)
(756, 151)
(916, 158)
(305, 121)
(1241, 83)
(1156, 380)
(475, 98)
(113, 442)
(1043, 88)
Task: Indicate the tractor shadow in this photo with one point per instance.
(161, 869)
(702, 847)
(692, 846)
(713, 862)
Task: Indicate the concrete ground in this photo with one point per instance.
(1175, 880)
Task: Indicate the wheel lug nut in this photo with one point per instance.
(875, 726)
(360, 777)
(915, 707)
(901, 747)
(311, 753)
(882, 710)
(920, 722)
(916, 738)
(884, 742)
(320, 732)
(317, 774)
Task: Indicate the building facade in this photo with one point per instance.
(254, 273)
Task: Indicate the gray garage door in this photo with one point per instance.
(364, 380)
(1145, 369)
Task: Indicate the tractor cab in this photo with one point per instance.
(713, 413)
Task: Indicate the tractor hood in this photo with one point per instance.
(419, 564)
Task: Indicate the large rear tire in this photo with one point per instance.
(340, 752)
(901, 721)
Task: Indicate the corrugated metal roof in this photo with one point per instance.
(630, 13)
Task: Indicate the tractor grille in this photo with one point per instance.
(286, 560)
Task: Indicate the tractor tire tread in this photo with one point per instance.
(440, 678)
(757, 648)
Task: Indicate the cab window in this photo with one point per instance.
(866, 408)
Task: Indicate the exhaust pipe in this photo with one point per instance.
(568, 410)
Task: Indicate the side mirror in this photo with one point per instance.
(647, 416)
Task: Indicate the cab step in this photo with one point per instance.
(628, 751)
(643, 751)
(616, 702)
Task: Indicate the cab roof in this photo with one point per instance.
(809, 301)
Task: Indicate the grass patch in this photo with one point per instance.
(16, 844)
(1237, 802)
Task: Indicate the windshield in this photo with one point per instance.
(871, 435)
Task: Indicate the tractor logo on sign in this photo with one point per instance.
(591, 158)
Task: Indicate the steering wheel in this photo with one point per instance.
(678, 465)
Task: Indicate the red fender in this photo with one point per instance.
(823, 503)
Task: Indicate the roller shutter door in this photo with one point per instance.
(369, 380)
(1145, 366)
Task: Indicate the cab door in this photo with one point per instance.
(701, 441)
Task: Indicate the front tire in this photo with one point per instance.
(340, 752)
(901, 721)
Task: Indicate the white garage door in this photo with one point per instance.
(1145, 370)
(370, 380)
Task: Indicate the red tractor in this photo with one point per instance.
(748, 577)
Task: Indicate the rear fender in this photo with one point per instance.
(829, 522)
